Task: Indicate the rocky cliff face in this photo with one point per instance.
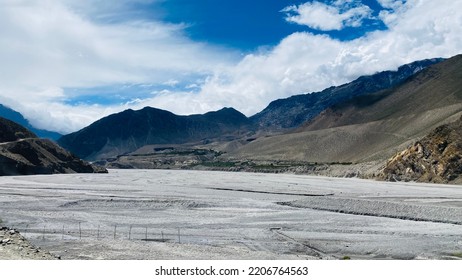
(436, 158)
(21, 153)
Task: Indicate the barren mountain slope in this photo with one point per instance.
(438, 86)
(130, 130)
(22, 153)
(11, 131)
(371, 128)
(289, 113)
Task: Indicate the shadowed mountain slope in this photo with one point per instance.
(130, 130)
(11, 131)
(22, 153)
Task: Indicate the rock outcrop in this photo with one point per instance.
(436, 158)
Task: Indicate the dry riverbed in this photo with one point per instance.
(174, 214)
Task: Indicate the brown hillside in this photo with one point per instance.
(371, 127)
(22, 153)
(40, 156)
(436, 87)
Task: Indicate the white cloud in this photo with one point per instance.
(392, 4)
(46, 47)
(171, 82)
(304, 62)
(324, 17)
(393, 10)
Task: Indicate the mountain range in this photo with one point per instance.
(371, 127)
(130, 130)
(291, 112)
(361, 123)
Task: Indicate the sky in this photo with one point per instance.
(64, 63)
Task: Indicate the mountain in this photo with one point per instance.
(365, 121)
(130, 130)
(434, 88)
(436, 158)
(370, 127)
(16, 117)
(22, 153)
(283, 114)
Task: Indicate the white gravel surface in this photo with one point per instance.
(166, 214)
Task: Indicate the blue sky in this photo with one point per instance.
(246, 26)
(261, 25)
(252, 25)
(67, 63)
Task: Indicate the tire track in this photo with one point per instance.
(277, 193)
(316, 252)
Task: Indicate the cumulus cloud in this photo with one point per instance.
(325, 17)
(392, 4)
(393, 10)
(49, 45)
(57, 48)
(304, 62)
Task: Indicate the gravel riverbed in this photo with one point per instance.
(176, 214)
